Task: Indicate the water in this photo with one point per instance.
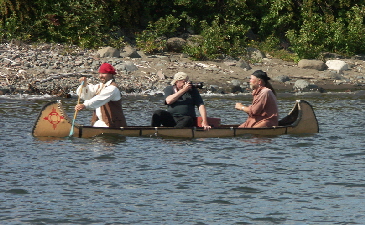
(287, 179)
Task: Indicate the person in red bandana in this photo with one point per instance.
(104, 98)
(263, 112)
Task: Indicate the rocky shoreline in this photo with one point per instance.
(55, 69)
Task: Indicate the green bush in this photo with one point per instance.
(311, 26)
(218, 40)
(355, 31)
(153, 39)
(86, 23)
(328, 33)
(272, 47)
(308, 43)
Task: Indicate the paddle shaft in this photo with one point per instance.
(76, 111)
(78, 102)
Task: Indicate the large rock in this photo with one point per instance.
(175, 44)
(130, 52)
(305, 86)
(281, 78)
(244, 65)
(126, 67)
(109, 52)
(312, 64)
(194, 40)
(330, 74)
(301, 84)
(337, 65)
(255, 54)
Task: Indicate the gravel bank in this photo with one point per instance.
(55, 69)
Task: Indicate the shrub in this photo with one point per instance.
(218, 40)
(153, 39)
(308, 42)
(318, 34)
(355, 30)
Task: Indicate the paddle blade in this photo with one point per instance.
(72, 129)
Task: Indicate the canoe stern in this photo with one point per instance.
(306, 122)
(52, 121)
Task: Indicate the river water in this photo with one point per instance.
(287, 179)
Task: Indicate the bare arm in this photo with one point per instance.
(203, 114)
(174, 97)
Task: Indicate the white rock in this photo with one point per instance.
(337, 65)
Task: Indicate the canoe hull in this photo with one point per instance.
(54, 122)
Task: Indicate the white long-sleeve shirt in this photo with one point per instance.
(95, 101)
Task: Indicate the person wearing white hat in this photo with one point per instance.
(181, 99)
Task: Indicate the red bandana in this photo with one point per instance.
(107, 68)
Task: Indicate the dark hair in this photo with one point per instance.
(263, 76)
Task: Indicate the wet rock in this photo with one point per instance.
(4, 91)
(301, 84)
(236, 89)
(332, 75)
(281, 78)
(218, 90)
(305, 86)
(235, 82)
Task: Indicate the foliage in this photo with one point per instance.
(355, 30)
(326, 33)
(153, 39)
(308, 42)
(309, 26)
(218, 40)
(272, 47)
(85, 23)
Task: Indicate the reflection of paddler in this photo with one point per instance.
(264, 109)
(105, 98)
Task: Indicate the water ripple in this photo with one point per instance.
(287, 179)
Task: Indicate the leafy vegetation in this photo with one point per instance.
(218, 40)
(290, 29)
(153, 39)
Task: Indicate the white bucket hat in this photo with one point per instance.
(179, 76)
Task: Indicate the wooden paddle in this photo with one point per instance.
(76, 111)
